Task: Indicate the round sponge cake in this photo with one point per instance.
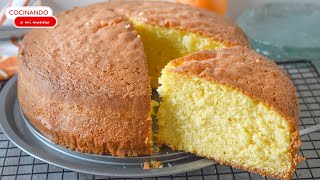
(234, 106)
(85, 83)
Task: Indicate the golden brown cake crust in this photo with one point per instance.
(249, 72)
(183, 17)
(84, 84)
(255, 76)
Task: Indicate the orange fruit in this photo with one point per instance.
(8, 67)
(218, 6)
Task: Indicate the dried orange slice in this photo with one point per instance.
(8, 67)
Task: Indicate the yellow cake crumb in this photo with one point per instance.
(153, 165)
(156, 164)
(146, 165)
(165, 44)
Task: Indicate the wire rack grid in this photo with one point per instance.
(15, 164)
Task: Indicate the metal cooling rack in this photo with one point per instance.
(15, 164)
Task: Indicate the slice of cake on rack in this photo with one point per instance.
(234, 106)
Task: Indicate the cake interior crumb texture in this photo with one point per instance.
(162, 45)
(221, 123)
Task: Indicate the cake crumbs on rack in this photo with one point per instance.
(156, 164)
(146, 165)
(153, 165)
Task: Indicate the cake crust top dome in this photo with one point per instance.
(73, 55)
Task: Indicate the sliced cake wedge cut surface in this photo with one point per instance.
(173, 30)
(234, 106)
